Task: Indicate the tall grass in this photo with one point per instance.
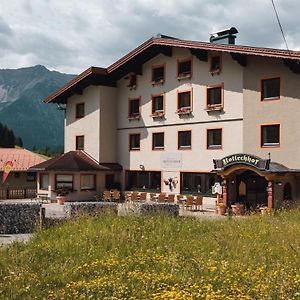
(157, 257)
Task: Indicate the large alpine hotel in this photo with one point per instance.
(177, 116)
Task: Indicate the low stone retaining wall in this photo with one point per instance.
(74, 209)
(149, 209)
(19, 217)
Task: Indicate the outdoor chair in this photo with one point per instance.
(134, 197)
(180, 199)
(161, 198)
(153, 197)
(116, 195)
(171, 198)
(106, 196)
(189, 202)
(143, 197)
(199, 203)
(128, 196)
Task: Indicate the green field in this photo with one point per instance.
(157, 257)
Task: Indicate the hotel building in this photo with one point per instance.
(177, 116)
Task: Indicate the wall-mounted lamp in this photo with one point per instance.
(142, 167)
(279, 183)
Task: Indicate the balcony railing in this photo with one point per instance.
(17, 193)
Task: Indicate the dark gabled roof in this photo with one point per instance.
(75, 161)
(280, 168)
(133, 61)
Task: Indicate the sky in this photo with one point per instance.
(71, 35)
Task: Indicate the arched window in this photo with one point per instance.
(287, 191)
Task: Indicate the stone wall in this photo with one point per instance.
(74, 209)
(19, 217)
(149, 209)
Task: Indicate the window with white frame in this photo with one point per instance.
(44, 181)
(88, 182)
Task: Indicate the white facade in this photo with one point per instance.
(106, 126)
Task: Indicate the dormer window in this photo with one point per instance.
(134, 109)
(158, 75)
(184, 69)
(132, 81)
(215, 64)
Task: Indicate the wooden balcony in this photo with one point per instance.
(17, 193)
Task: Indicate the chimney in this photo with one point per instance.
(225, 36)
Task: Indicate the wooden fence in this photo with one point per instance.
(17, 193)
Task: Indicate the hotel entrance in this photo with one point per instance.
(250, 189)
(247, 179)
(256, 182)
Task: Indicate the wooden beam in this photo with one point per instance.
(165, 50)
(200, 54)
(293, 64)
(240, 58)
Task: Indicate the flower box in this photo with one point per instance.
(184, 111)
(157, 115)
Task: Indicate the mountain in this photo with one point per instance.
(22, 90)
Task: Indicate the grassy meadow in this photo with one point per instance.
(157, 257)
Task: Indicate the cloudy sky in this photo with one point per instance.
(72, 35)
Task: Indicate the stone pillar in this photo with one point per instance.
(224, 192)
(270, 195)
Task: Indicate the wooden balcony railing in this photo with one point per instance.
(17, 193)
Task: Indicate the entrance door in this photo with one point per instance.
(252, 189)
(109, 181)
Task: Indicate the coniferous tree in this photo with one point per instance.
(8, 138)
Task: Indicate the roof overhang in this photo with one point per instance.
(241, 161)
(134, 60)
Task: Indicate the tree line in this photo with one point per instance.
(8, 139)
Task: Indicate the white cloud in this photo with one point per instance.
(71, 35)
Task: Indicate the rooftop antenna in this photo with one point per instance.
(281, 29)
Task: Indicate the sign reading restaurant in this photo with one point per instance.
(240, 158)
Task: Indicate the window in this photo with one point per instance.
(88, 182)
(143, 180)
(110, 181)
(158, 74)
(79, 110)
(184, 139)
(214, 97)
(270, 89)
(64, 181)
(184, 102)
(184, 69)
(214, 138)
(158, 141)
(134, 141)
(215, 64)
(80, 142)
(158, 105)
(197, 183)
(44, 181)
(270, 135)
(132, 80)
(31, 176)
(134, 108)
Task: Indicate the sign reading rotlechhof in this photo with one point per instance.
(171, 161)
(262, 164)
